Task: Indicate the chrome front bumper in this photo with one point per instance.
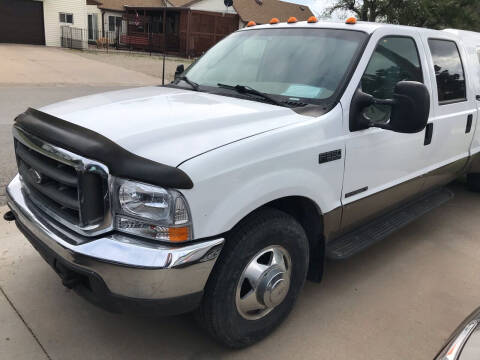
(128, 267)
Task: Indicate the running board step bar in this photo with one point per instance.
(367, 235)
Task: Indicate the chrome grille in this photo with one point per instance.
(70, 189)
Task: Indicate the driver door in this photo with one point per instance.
(383, 168)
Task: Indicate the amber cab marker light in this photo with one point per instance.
(251, 23)
(312, 19)
(274, 21)
(351, 21)
(292, 20)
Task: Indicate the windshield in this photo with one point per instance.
(307, 64)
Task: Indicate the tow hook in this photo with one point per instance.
(69, 278)
(9, 216)
(70, 281)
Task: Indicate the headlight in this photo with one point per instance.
(152, 212)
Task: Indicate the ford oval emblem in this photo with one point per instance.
(36, 176)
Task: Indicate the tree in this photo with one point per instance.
(437, 14)
(366, 10)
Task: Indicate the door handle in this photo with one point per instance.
(469, 124)
(428, 134)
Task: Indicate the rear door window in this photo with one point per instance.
(449, 72)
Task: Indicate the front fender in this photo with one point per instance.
(242, 200)
(233, 181)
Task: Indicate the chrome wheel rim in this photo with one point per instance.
(264, 283)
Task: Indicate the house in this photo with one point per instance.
(183, 27)
(188, 27)
(39, 22)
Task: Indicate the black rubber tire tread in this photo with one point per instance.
(473, 182)
(218, 314)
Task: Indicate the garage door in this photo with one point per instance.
(21, 21)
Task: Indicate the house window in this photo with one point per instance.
(66, 18)
(157, 24)
(111, 23)
(114, 22)
(92, 27)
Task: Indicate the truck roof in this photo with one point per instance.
(469, 37)
(368, 27)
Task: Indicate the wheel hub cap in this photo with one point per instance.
(264, 283)
(273, 287)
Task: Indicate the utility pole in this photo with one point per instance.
(164, 42)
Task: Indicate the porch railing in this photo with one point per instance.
(82, 39)
(77, 38)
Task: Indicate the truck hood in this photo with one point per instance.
(170, 125)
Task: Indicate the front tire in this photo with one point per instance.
(256, 280)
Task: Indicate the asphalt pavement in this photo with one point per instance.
(15, 99)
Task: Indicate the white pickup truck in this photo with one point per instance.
(284, 145)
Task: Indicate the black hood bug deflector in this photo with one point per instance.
(87, 143)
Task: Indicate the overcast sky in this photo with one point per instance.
(318, 7)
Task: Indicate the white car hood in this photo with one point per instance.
(169, 125)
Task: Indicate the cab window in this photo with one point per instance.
(448, 71)
(395, 59)
(289, 63)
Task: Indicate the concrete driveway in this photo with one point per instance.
(25, 64)
(398, 300)
(33, 76)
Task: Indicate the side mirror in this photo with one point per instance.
(409, 114)
(180, 69)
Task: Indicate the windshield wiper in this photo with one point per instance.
(242, 89)
(193, 84)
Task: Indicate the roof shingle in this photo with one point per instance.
(119, 5)
(261, 11)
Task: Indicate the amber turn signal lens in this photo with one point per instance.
(274, 21)
(179, 234)
(251, 23)
(292, 20)
(312, 19)
(351, 21)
